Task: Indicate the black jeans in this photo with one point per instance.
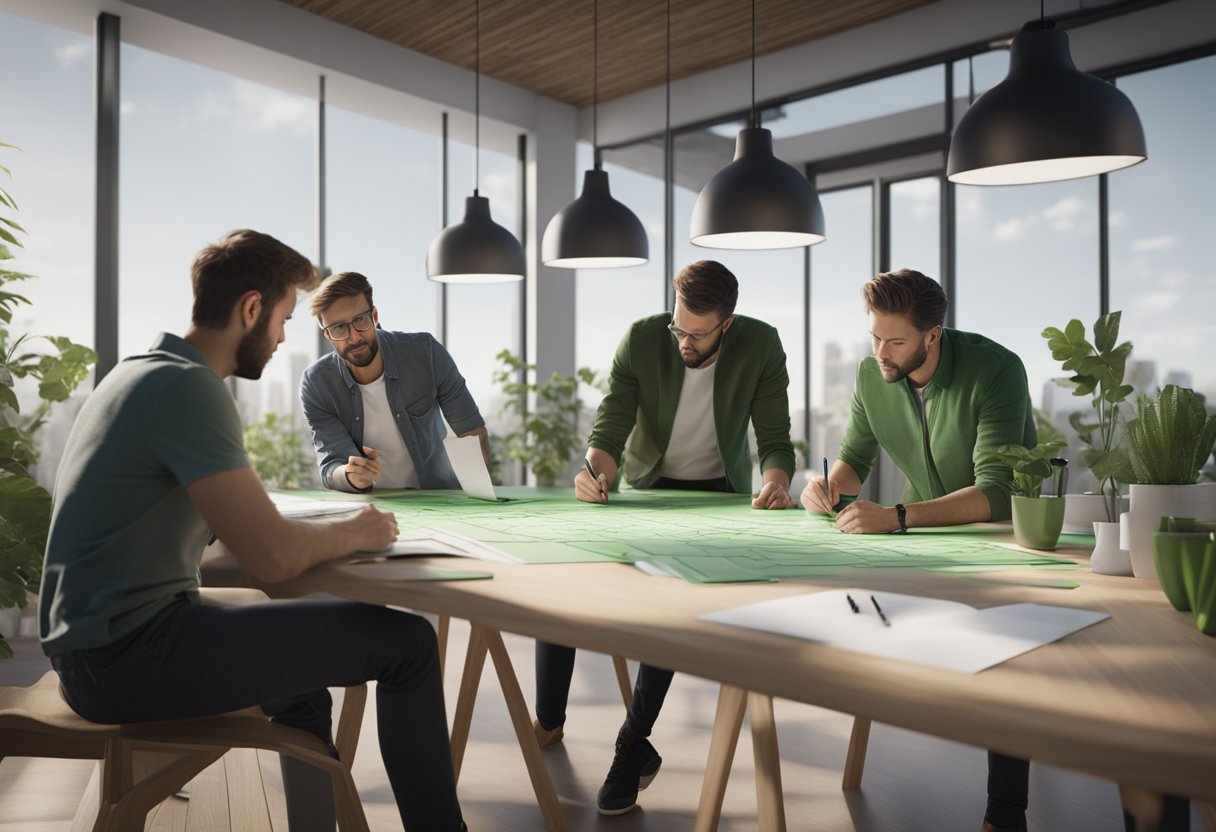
(194, 660)
(555, 664)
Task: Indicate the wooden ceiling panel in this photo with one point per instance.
(546, 45)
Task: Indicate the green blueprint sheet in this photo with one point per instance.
(702, 537)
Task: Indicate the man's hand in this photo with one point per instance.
(364, 471)
(591, 490)
(372, 530)
(772, 495)
(865, 517)
(820, 495)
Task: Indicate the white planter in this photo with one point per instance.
(10, 622)
(1152, 502)
(1081, 511)
(1108, 558)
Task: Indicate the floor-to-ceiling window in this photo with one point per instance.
(1162, 275)
(204, 153)
(46, 106)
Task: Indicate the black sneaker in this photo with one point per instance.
(636, 763)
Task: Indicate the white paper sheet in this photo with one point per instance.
(293, 505)
(929, 631)
(426, 542)
(470, 466)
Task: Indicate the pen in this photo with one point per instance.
(827, 489)
(595, 478)
(852, 603)
(885, 622)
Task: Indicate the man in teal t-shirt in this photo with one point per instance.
(936, 400)
(155, 465)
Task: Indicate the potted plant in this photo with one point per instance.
(25, 506)
(1097, 370)
(548, 435)
(1164, 449)
(277, 451)
(1036, 519)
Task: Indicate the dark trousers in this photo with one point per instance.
(194, 660)
(555, 664)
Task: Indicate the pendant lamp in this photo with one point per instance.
(1046, 121)
(757, 201)
(595, 231)
(476, 249)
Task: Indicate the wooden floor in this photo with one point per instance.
(912, 783)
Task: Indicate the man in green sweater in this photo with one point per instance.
(683, 387)
(936, 400)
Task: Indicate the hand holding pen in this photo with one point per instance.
(821, 494)
(592, 488)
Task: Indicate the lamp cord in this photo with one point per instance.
(476, 96)
(755, 115)
(667, 122)
(595, 81)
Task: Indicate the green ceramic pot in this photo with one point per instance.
(1179, 560)
(1037, 521)
(1203, 594)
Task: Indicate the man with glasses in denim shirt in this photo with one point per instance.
(377, 404)
(683, 388)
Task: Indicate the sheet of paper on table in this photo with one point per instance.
(298, 506)
(429, 542)
(464, 452)
(929, 631)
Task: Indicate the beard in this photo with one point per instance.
(902, 371)
(255, 349)
(699, 357)
(364, 358)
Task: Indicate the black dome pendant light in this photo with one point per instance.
(595, 231)
(757, 201)
(476, 249)
(1046, 121)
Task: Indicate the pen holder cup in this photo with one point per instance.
(1186, 566)
(1037, 521)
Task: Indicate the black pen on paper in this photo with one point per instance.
(874, 601)
(852, 603)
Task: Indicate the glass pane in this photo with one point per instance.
(48, 114)
(1160, 233)
(204, 153)
(484, 318)
(771, 283)
(383, 212)
(916, 239)
(1027, 259)
(609, 300)
(975, 76)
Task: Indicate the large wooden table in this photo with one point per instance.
(1131, 699)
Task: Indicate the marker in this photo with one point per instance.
(827, 489)
(852, 603)
(595, 478)
(885, 622)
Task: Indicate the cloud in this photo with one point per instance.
(1156, 303)
(71, 54)
(1063, 215)
(257, 109)
(126, 108)
(1158, 243)
(1119, 219)
(1012, 229)
(1174, 279)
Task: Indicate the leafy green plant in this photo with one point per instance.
(277, 451)
(548, 435)
(1097, 370)
(1030, 465)
(25, 507)
(1171, 438)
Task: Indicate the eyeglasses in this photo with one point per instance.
(340, 332)
(694, 337)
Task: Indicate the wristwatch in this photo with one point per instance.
(903, 518)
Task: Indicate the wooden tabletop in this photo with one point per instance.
(1131, 699)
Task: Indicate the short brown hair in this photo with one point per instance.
(244, 261)
(707, 286)
(342, 285)
(907, 292)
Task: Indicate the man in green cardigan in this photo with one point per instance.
(936, 400)
(683, 387)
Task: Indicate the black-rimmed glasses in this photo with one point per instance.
(341, 331)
